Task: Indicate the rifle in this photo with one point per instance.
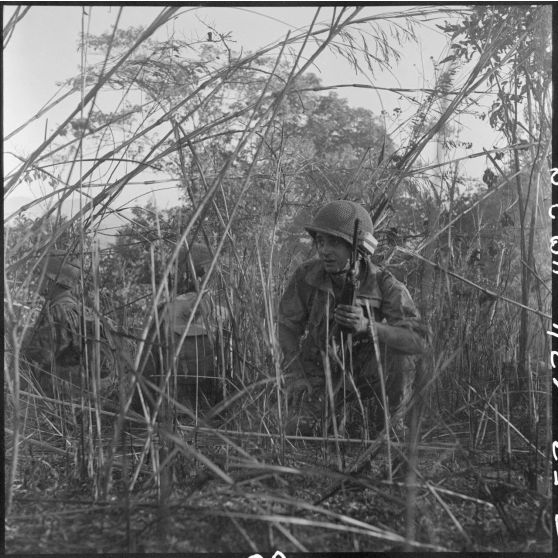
(348, 294)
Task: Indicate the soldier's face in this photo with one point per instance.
(334, 252)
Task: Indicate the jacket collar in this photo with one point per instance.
(317, 277)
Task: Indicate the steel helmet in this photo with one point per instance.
(201, 257)
(337, 218)
(61, 269)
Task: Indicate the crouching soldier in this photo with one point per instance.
(181, 349)
(61, 344)
(314, 323)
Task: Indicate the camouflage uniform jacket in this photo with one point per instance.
(57, 344)
(306, 311)
(207, 315)
(54, 342)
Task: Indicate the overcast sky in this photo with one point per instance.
(44, 51)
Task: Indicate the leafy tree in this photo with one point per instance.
(520, 73)
(318, 147)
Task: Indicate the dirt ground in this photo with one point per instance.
(464, 501)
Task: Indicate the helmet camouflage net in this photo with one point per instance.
(337, 218)
(62, 269)
(201, 257)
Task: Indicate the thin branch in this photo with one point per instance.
(391, 89)
(9, 28)
(471, 283)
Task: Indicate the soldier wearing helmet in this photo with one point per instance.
(191, 331)
(311, 320)
(56, 343)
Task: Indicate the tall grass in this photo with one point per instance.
(466, 381)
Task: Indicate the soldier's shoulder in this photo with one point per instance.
(65, 299)
(183, 301)
(385, 278)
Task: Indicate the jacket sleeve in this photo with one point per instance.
(293, 317)
(55, 340)
(399, 310)
(39, 342)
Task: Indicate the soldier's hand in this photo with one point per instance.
(351, 317)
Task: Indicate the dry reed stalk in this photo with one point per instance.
(273, 344)
(510, 426)
(165, 16)
(50, 104)
(96, 376)
(385, 402)
(417, 411)
(460, 528)
(497, 433)
(228, 436)
(331, 399)
(9, 27)
(14, 389)
(13, 385)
